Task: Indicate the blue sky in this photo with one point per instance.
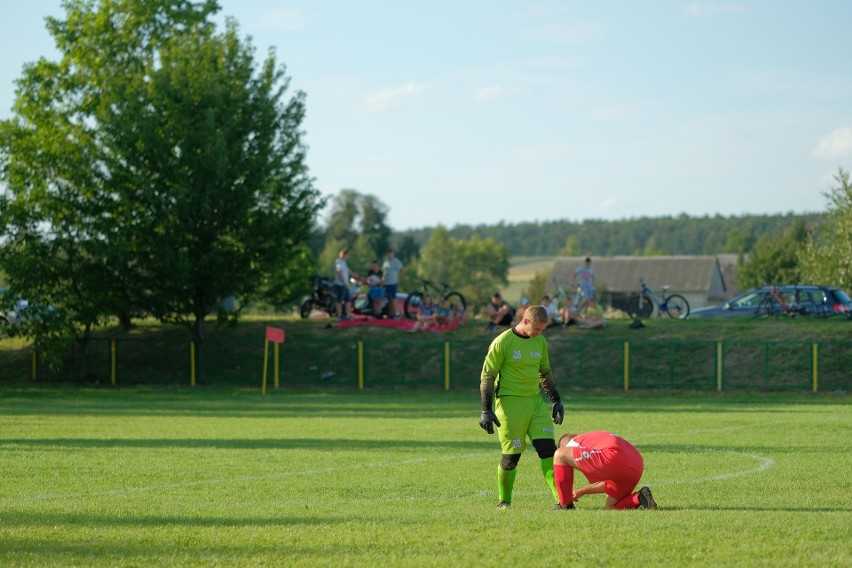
(486, 111)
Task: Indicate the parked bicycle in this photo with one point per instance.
(414, 300)
(642, 305)
(776, 303)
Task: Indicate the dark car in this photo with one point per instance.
(801, 299)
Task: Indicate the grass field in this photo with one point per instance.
(158, 477)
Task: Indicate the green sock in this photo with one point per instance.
(505, 483)
(547, 470)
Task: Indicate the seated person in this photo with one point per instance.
(498, 312)
(552, 312)
(426, 315)
(443, 313)
(375, 291)
(568, 314)
(593, 315)
(519, 313)
(458, 314)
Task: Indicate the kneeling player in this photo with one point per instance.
(610, 463)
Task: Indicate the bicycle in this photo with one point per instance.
(642, 305)
(412, 303)
(774, 303)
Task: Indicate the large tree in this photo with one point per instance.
(775, 260)
(827, 258)
(159, 153)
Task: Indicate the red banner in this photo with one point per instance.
(274, 335)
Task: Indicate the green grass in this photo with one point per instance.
(758, 354)
(151, 477)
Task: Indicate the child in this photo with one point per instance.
(458, 314)
(442, 313)
(426, 316)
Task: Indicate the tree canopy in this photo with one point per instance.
(154, 165)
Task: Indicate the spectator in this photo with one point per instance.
(443, 313)
(593, 316)
(393, 271)
(552, 312)
(568, 314)
(458, 314)
(519, 313)
(375, 292)
(426, 315)
(498, 312)
(585, 277)
(342, 274)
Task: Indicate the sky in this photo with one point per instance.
(486, 111)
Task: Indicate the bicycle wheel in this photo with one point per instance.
(639, 307)
(455, 298)
(305, 310)
(768, 307)
(412, 305)
(677, 306)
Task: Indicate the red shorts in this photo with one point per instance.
(620, 466)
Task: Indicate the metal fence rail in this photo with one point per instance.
(421, 363)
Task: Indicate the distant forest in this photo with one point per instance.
(681, 235)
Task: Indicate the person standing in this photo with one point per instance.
(375, 291)
(393, 270)
(584, 278)
(610, 463)
(514, 375)
(341, 283)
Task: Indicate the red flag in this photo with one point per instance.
(274, 335)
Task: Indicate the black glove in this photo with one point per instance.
(558, 412)
(487, 421)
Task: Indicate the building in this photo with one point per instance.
(699, 279)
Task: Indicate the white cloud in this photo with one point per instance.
(838, 144)
(608, 203)
(492, 92)
(701, 9)
(286, 19)
(384, 98)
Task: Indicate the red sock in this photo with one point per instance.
(563, 476)
(629, 502)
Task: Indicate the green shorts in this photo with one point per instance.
(522, 417)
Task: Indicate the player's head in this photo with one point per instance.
(534, 322)
(565, 438)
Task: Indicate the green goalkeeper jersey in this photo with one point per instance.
(516, 362)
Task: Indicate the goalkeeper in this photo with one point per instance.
(515, 372)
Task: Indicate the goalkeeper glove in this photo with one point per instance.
(558, 412)
(487, 421)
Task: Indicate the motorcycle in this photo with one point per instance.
(323, 298)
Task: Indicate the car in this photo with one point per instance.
(803, 299)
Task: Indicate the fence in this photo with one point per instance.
(421, 363)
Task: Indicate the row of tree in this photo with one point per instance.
(648, 236)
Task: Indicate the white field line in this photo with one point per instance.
(763, 464)
(228, 480)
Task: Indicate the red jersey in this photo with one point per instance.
(603, 456)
